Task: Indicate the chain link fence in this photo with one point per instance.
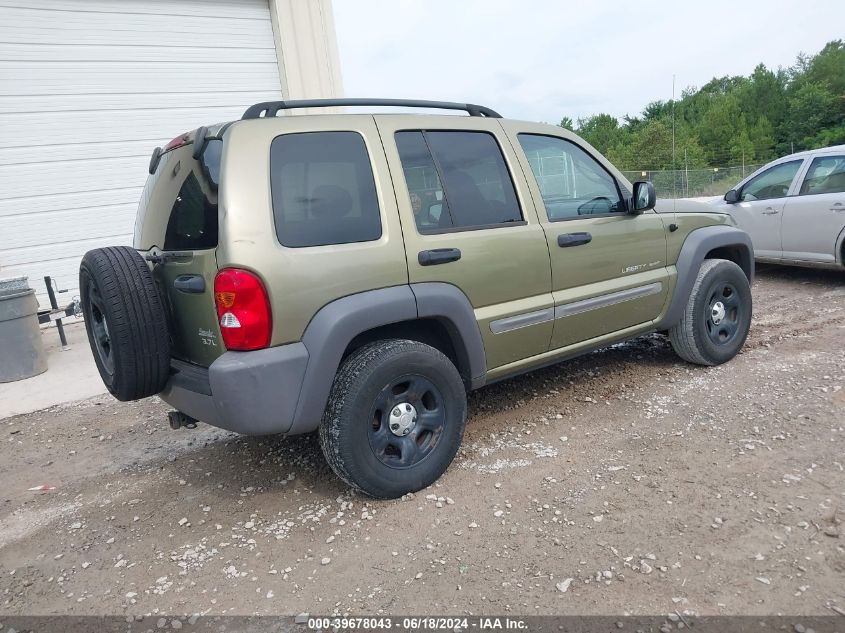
(692, 183)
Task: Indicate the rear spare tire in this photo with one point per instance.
(125, 321)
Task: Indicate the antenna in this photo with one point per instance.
(674, 193)
(674, 183)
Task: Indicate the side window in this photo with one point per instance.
(572, 182)
(772, 183)
(457, 180)
(826, 175)
(323, 189)
(424, 186)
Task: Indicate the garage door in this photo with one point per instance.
(87, 89)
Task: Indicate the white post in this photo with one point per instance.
(306, 49)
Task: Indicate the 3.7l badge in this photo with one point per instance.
(207, 337)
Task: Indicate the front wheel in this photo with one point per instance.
(717, 317)
(395, 418)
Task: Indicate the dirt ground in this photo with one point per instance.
(625, 482)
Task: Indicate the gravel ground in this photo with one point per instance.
(625, 482)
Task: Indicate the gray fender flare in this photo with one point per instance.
(839, 249)
(450, 306)
(698, 243)
(337, 323)
(327, 336)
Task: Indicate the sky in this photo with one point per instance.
(543, 60)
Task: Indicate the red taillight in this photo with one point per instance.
(243, 309)
(179, 141)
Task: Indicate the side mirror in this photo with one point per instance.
(732, 196)
(644, 196)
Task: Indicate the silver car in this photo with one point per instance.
(794, 209)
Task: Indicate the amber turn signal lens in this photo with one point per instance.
(225, 299)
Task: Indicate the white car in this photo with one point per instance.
(794, 209)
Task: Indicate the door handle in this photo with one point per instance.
(192, 284)
(438, 256)
(770, 211)
(837, 206)
(573, 239)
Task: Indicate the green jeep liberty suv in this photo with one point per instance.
(359, 273)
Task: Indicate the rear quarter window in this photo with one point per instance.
(323, 189)
(193, 223)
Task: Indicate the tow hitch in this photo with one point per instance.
(177, 420)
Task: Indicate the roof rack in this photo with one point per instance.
(271, 108)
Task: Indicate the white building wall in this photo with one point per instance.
(89, 87)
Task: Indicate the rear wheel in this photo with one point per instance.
(125, 322)
(395, 418)
(717, 317)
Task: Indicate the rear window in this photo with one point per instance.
(193, 218)
(323, 189)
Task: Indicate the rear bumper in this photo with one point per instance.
(254, 393)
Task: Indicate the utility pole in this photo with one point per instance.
(743, 161)
(686, 173)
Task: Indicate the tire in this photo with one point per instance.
(717, 316)
(373, 384)
(125, 321)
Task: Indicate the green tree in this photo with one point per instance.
(812, 108)
(828, 67)
(650, 148)
(762, 135)
(764, 95)
(770, 113)
(602, 131)
(567, 124)
(830, 136)
(817, 99)
(657, 110)
(719, 128)
(742, 149)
